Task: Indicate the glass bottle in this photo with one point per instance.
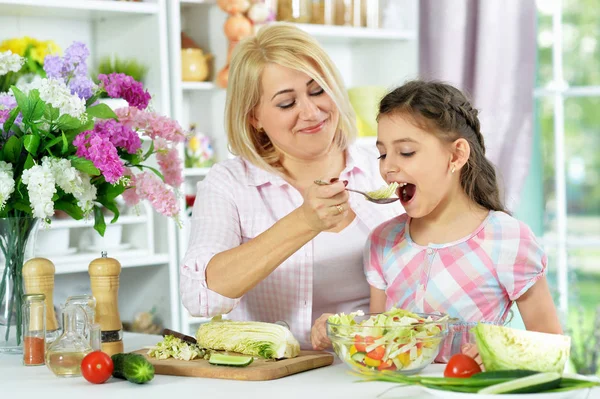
(86, 327)
(34, 329)
(64, 355)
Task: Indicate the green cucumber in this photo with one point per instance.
(219, 359)
(503, 374)
(358, 357)
(539, 382)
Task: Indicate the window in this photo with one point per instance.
(568, 125)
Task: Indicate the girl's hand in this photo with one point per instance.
(325, 207)
(318, 333)
(472, 351)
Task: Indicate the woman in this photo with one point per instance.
(267, 243)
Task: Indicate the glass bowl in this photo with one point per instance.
(404, 349)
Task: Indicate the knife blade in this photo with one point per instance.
(179, 335)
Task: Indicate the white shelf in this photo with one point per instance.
(76, 9)
(71, 223)
(328, 33)
(195, 2)
(194, 86)
(195, 171)
(79, 262)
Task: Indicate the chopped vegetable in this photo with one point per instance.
(228, 360)
(539, 382)
(394, 340)
(503, 348)
(384, 192)
(174, 347)
(267, 340)
(477, 384)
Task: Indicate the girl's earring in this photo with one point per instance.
(453, 169)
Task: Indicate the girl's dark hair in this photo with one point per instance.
(446, 110)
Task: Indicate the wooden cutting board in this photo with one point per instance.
(259, 370)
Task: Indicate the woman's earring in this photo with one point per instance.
(453, 169)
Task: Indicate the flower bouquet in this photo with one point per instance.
(33, 52)
(62, 150)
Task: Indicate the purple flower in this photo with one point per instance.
(72, 69)
(53, 66)
(82, 86)
(119, 85)
(3, 116)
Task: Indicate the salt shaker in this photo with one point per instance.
(104, 280)
(38, 277)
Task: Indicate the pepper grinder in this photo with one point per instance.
(38, 276)
(104, 279)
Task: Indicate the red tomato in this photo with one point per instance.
(389, 365)
(97, 367)
(361, 343)
(461, 366)
(377, 353)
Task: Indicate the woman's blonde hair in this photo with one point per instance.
(290, 47)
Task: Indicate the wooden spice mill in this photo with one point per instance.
(104, 280)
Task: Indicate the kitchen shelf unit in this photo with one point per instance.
(354, 51)
(128, 30)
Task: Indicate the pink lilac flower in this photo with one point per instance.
(8, 102)
(130, 194)
(119, 85)
(98, 149)
(162, 126)
(131, 117)
(169, 163)
(162, 199)
(119, 135)
(3, 116)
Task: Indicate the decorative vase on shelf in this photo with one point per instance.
(17, 236)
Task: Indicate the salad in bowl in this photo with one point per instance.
(396, 340)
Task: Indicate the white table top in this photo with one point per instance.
(17, 381)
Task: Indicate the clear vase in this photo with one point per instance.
(17, 236)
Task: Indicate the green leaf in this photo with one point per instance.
(28, 162)
(36, 106)
(84, 165)
(31, 143)
(110, 191)
(67, 122)
(12, 149)
(156, 171)
(93, 98)
(22, 206)
(99, 222)
(52, 142)
(89, 125)
(102, 111)
(50, 113)
(69, 207)
(111, 205)
(22, 100)
(65, 143)
(150, 151)
(8, 124)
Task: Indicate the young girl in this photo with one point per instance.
(456, 250)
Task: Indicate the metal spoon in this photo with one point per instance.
(369, 198)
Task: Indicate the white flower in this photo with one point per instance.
(10, 62)
(40, 186)
(57, 94)
(7, 183)
(72, 181)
